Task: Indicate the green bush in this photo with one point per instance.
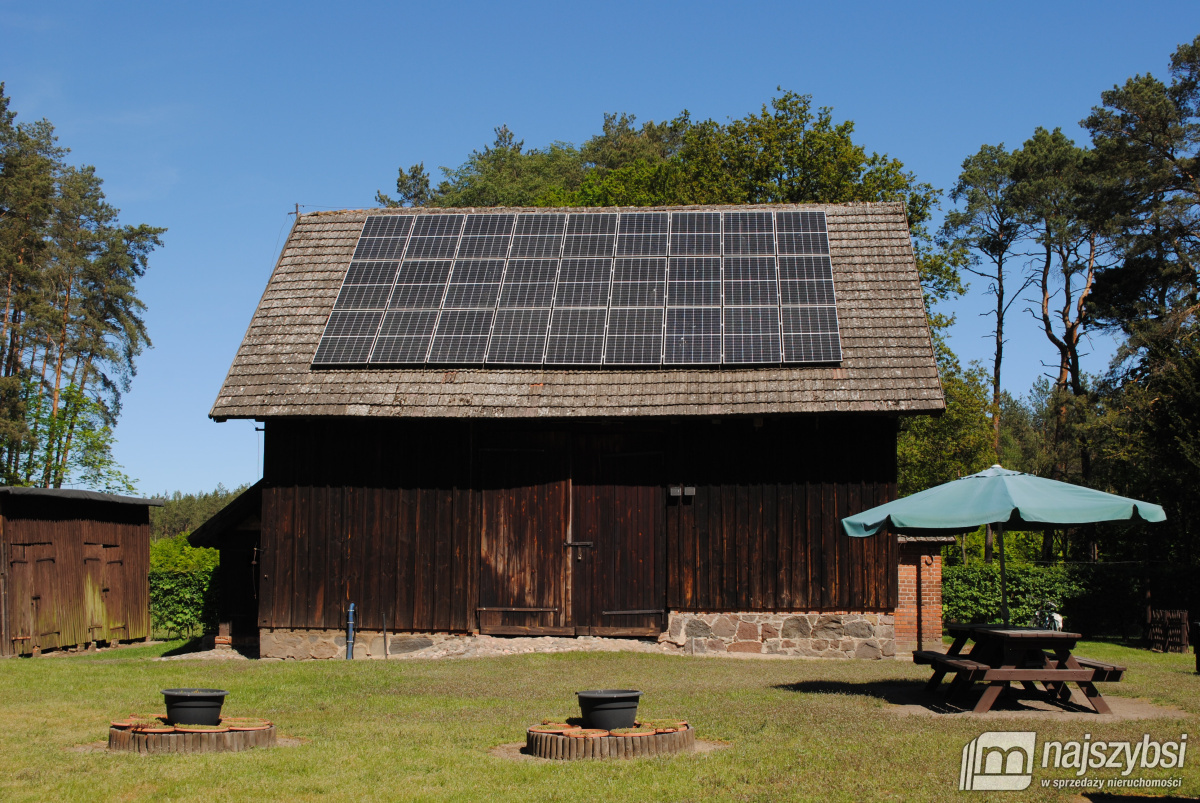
(182, 586)
(1095, 599)
(971, 593)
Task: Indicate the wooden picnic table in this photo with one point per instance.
(1001, 655)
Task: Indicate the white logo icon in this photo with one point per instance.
(998, 760)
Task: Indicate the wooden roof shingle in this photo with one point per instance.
(887, 357)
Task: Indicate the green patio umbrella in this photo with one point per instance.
(1001, 499)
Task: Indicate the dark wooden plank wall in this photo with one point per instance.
(385, 520)
(763, 530)
(416, 521)
(76, 571)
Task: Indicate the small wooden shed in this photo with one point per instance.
(696, 498)
(75, 569)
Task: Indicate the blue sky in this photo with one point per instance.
(214, 119)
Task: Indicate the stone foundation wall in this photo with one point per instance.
(304, 644)
(919, 614)
(817, 635)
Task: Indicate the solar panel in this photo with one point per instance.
(576, 336)
(748, 286)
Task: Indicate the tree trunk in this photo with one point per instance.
(7, 309)
(66, 452)
(62, 347)
(999, 357)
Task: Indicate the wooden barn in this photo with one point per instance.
(618, 422)
(75, 569)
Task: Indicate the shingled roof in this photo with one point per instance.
(887, 357)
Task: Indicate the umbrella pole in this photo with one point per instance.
(1003, 586)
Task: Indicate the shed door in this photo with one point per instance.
(46, 597)
(114, 592)
(618, 512)
(21, 597)
(93, 590)
(524, 515)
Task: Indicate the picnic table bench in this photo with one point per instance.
(1002, 655)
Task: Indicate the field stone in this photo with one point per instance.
(769, 631)
(698, 629)
(869, 650)
(795, 627)
(859, 629)
(724, 627)
(716, 645)
(298, 649)
(747, 632)
(828, 627)
(323, 649)
(402, 644)
(746, 646)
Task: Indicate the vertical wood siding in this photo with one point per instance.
(387, 523)
(76, 571)
(453, 526)
(763, 530)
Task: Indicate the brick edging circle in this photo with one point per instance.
(207, 742)
(558, 746)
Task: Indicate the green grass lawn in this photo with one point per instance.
(802, 730)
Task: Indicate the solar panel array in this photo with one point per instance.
(587, 288)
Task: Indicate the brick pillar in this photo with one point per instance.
(919, 608)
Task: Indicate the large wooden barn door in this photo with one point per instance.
(524, 515)
(618, 560)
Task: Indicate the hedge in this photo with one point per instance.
(971, 593)
(1095, 599)
(183, 587)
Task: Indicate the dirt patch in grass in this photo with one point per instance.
(909, 698)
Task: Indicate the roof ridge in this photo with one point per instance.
(475, 210)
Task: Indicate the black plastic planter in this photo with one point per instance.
(194, 706)
(609, 708)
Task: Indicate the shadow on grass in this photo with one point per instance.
(191, 645)
(912, 693)
(198, 645)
